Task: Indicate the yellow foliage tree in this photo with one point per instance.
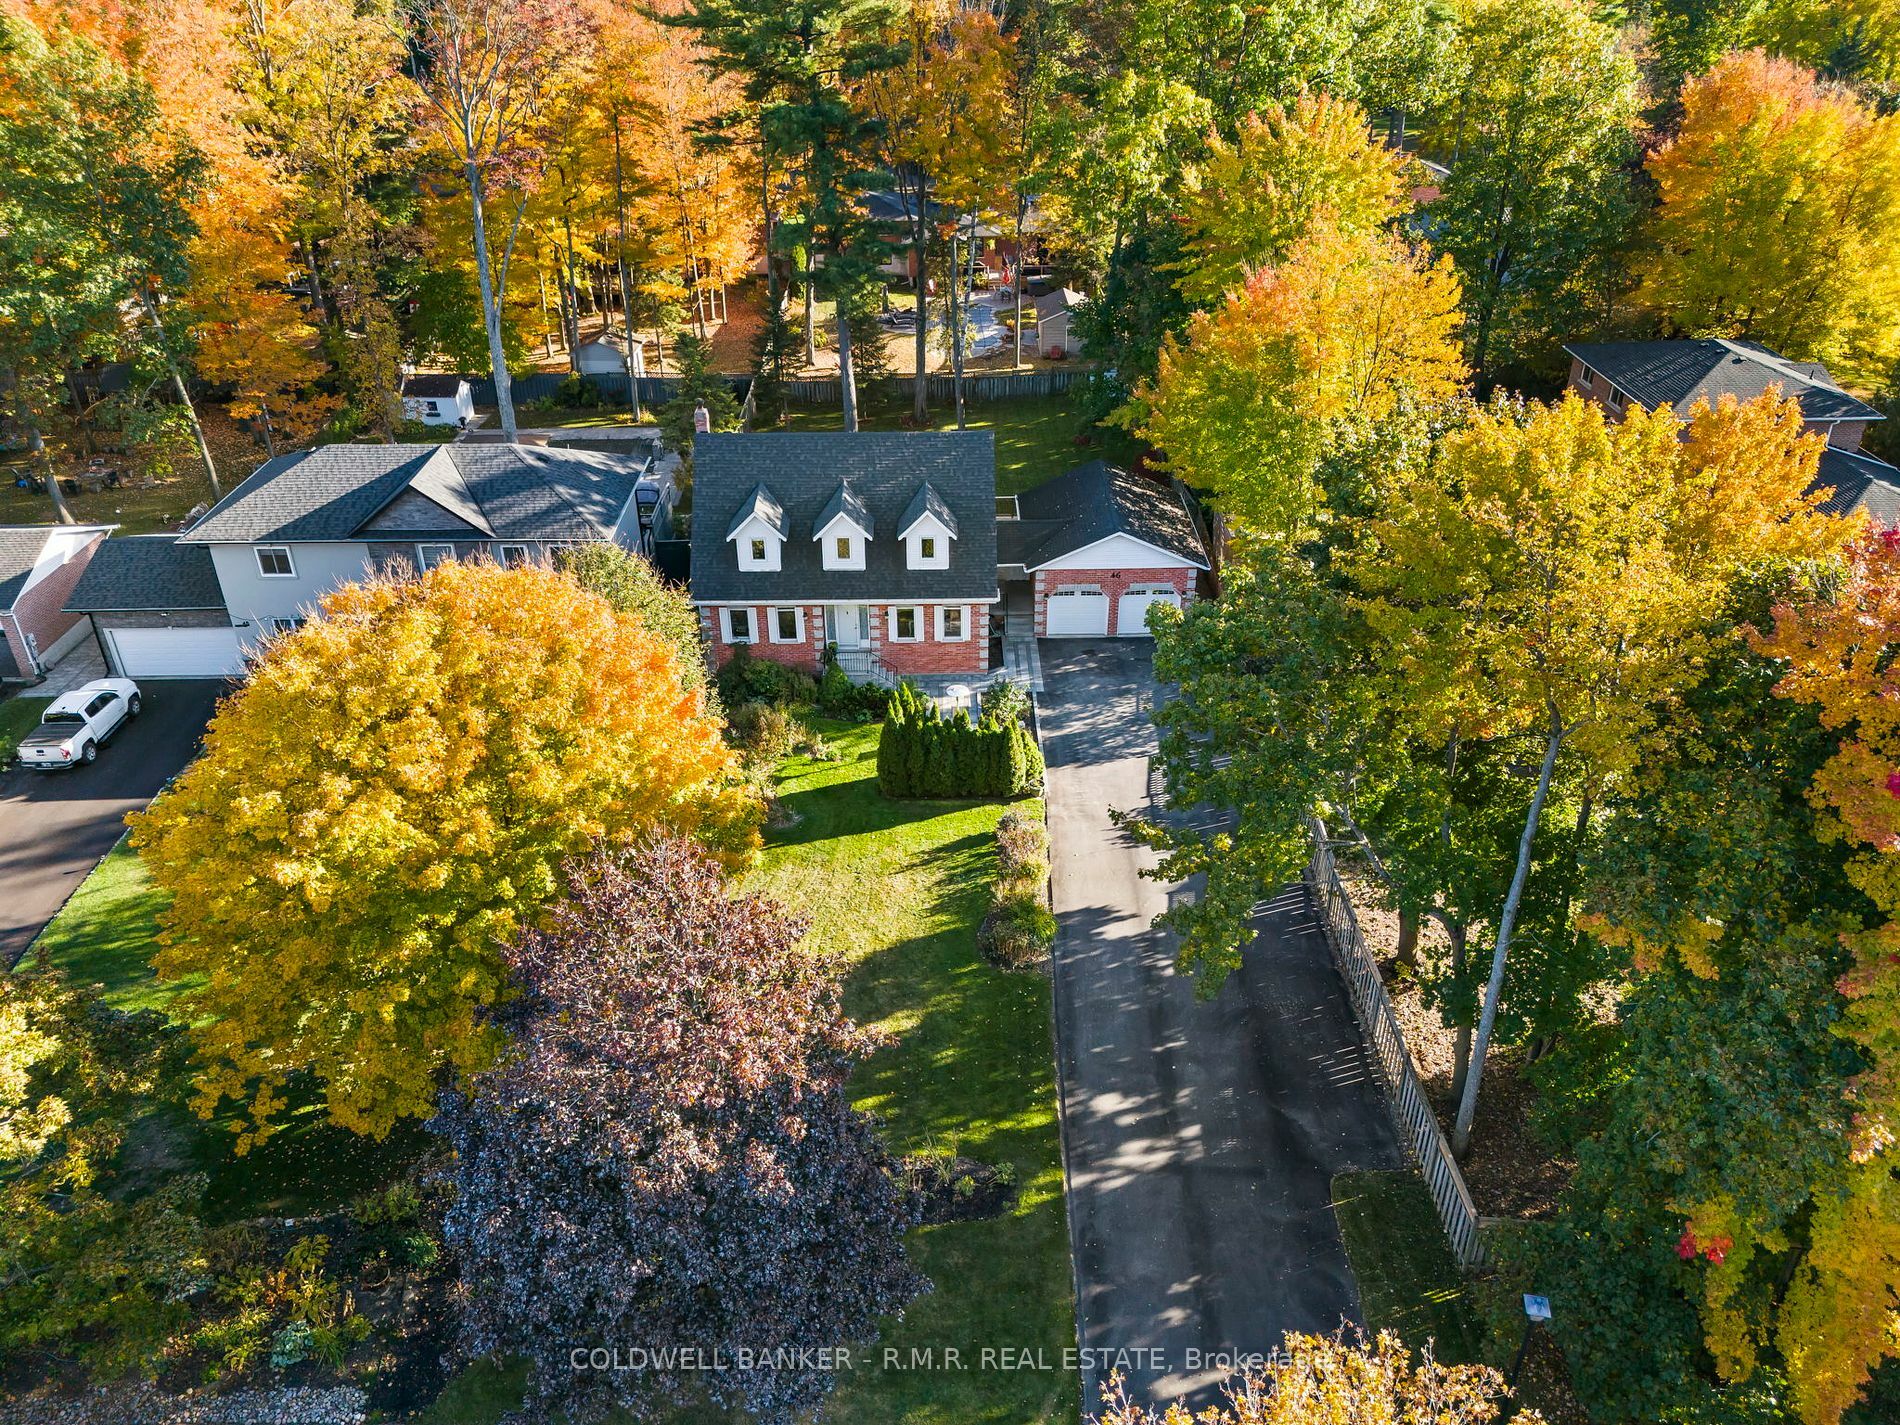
(1779, 217)
(390, 796)
(1554, 576)
(1349, 327)
(1322, 1380)
(1257, 195)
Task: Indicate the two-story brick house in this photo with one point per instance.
(880, 543)
(1619, 374)
(894, 548)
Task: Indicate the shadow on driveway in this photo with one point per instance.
(1201, 1135)
(54, 826)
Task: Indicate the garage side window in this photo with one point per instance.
(430, 555)
(273, 562)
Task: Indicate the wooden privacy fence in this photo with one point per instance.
(1411, 1113)
(978, 387)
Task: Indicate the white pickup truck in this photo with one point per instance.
(76, 724)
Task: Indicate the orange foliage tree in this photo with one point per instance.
(389, 798)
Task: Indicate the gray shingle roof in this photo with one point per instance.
(342, 492)
(1678, 373)
(885, 470)
(762, 505)
(845, 501)
(1054, 303)
(1859, 482)
(426, 384)
(19, 552)
(1089, 504)
(147, 572)
(927, 502)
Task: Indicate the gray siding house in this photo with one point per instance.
(305, 524)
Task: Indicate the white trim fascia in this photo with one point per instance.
(1169, 561)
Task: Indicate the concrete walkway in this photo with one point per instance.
(1201, 1136)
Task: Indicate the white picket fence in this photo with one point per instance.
(1411, 1113)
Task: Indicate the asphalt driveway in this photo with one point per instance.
(54, 826)
(1201, 1137)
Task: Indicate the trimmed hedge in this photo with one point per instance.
(921, 753)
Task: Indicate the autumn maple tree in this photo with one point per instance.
(1332, 1380)
(389, 797)
(1348, 328)
(1554, 576)
(669, 1156)
(1779, 201)
(1253, 197)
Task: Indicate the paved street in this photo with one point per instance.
(1201, 1136)
(54, 826)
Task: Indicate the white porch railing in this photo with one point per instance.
(1411, 1113)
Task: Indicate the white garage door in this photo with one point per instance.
(1131, 616)
(1080, 611)
(178, 652)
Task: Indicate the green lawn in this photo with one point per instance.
(898, 889)
(18, 716)
(1035, 437)
(1408, 1280)
(106, 935)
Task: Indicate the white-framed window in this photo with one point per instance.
(514, 556)
(758, 551)
(738, 625)
(787, 625)
(927, 547)
(907, 625)
(757, 548)
(953, 623)
(430, 555)
(841, 548)
(273, 562)
(285, 625)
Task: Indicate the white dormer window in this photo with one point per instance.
(927, 531)
(759, 548)
(757, 532)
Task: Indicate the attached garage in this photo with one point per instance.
(1101, 547)
(158, 610)
(1078, 611)
(176, 652)
(1131, 617)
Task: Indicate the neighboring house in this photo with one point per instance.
(890, 546)
(882, 543)
(305, 524)
(607, 356)
(1619, 374)
(39, 565)
(1051, 314)
(438, 401)
(1100, 546)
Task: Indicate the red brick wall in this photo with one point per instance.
(807, 654)
(969, 655)
(929, 657)
(1113, 582)
(40, 611)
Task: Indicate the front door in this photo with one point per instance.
(848, 625)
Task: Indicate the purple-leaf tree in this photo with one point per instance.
(666, 1168)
